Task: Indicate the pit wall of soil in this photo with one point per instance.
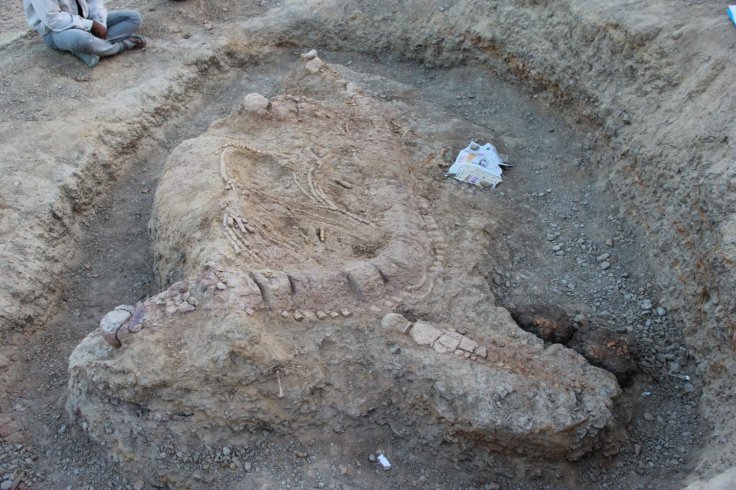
(652, 85)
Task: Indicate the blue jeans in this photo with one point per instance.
(120, 26)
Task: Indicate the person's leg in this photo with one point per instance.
(122, 24)
(79, 41)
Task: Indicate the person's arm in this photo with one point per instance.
(97, 11)
(57, 20)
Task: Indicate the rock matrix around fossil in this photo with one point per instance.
(299, 236)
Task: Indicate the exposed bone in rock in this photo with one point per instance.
(112, 322)
(232, 370)
(538, 401)
(424, 333)
(394, 321)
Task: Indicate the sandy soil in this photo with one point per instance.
(76, 204)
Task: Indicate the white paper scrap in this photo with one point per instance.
(384, 462)
(478, 165)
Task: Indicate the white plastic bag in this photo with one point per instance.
(478, 165)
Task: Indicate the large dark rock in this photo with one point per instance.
(548, 322)
(609, 350)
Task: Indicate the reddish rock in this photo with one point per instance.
(608, 350)
(548, 322)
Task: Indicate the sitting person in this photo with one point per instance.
(84, 27)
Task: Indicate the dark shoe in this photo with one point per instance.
(134, 42)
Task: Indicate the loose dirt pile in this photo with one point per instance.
(626, 222)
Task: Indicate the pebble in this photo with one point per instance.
(247, 466)
(256, 103)
(604, 265)
(603, 257)
(648, 417)
(226, 451)
(646, 304)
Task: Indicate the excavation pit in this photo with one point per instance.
(283, 233)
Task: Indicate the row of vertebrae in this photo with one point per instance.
(441, 340)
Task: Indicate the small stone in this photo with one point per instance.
(310, 55)
(298, 316)
(334, 314)
(301, 454)
(645, 304)
(249, 311)
(247, 466)
(192, 301)
(285, 314)
(609, 243)
(637, 449)
(372, 458)
(221, 286)
(604, 265)
(321, 315)
(138, 485)
(256, 104)
(603, 257)
(482, 352)
(661, 311)
(226, 451)
(424, 333)
(346, 312)
(648, 417)
(62, 429)
(394, 321)
(135, 328)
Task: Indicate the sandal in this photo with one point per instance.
(134, 42)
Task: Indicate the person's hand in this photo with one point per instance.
(99, 30)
